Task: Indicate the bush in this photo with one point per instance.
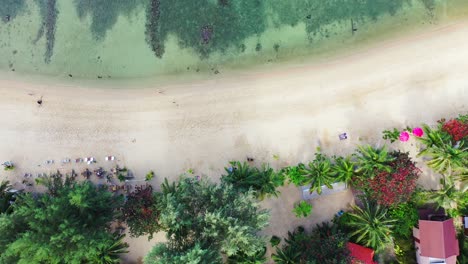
(302, 209)
(149, 176)
(326, 244)
(406, 216)
(274, 241)
(394, 187)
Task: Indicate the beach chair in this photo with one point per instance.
(48, 162)
(78, 160)
(66, 160)
(110, 158)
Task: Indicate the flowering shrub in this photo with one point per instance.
(456, 128)
(140, 212)
(390, 188)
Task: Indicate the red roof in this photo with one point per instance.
(438, 239)
(361, 254)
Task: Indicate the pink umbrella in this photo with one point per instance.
(404, 136)
(417, 131)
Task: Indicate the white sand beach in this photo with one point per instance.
(202, 124)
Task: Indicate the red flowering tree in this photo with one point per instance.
(394, 187)
(456, 128)
(140, 211)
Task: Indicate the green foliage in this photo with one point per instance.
(274, 241)
(370, 160)
(5, 197)
(149, 176)
(165, 254)
(406, 216)
(318, 173)
(343, 169)
(445, 157)
(392, 135)
(371, 226)
(263, 181)
(449, 197)
(258, 258)
(68, 224)
(293, 174)
(302, 209)
(109, 253)
(203, 220)
(325, 244)
(404, 250)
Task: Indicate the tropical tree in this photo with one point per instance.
(370, 160)
(448, 154)
(318, 173)
(371, 226)
(325, 244)
(241, 258)
(141, 212)
(6, 197)
(263, 181)
(69, 223)
(109, 253)
(203, 220)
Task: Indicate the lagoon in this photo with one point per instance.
(128, 39)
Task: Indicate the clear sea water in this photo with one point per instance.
(101, 39)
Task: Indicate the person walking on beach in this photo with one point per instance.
(39, 102)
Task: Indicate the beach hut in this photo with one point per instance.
(436, 241)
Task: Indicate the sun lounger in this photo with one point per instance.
(78, 160)
(66, 160)
(110, 158)
(49, 161)
(336, 187)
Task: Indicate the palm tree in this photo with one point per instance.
(263, 181)
(448, 197)
(242, 258)
(318, 173)
(434, 137)
(370, 160)
(288, 255)
(371, 226)
(110, 253)
(343, 169)
(447, 158)
(5, 197)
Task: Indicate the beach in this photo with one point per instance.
(286, 111)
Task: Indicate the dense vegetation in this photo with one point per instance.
(70, 223)
(204, 220)
(207, 222)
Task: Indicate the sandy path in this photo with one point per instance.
(204, 124)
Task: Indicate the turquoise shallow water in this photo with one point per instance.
(100, 39)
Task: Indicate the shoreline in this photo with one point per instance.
(203, 124)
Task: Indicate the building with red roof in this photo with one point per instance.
(436, 241)
(360, 254)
